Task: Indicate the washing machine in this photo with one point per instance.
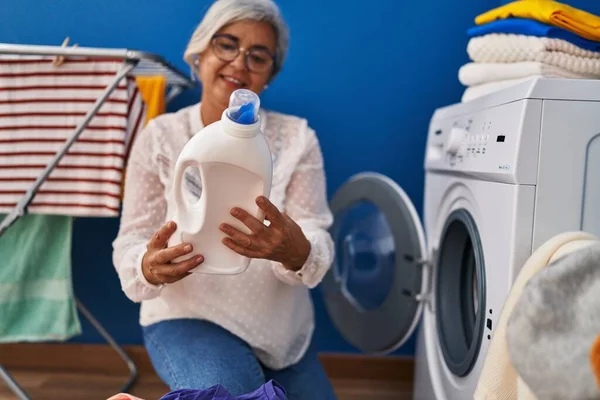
(503, 174)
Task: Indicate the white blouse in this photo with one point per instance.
(267, 306)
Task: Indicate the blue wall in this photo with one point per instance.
(367, 75)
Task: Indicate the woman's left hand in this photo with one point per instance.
(282, 241)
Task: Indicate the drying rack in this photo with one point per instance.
(133, 63)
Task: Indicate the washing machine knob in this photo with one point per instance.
(455, 139)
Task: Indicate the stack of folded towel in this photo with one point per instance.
(530, 38)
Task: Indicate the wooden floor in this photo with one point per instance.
(94, 372)
(95, 386)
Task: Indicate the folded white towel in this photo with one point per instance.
(472, 74)
(509, 48)
(476, 91)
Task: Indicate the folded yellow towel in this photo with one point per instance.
(549, 12)
(499, 379)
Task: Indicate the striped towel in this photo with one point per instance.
(40, 106)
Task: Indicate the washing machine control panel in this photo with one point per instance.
(499, 143)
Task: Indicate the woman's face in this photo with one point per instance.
(220, 77)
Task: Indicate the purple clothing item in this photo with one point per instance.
(269, 391)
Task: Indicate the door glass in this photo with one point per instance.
(365, 246)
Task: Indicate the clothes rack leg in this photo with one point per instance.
(133, 373)
(12, 384)
(21, 208)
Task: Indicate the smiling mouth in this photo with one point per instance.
(233, 81)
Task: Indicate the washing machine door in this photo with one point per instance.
(372, 290)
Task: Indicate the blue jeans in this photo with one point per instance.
(197, 354)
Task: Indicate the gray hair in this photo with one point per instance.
(224, 12)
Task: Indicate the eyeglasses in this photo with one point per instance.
(257, 59)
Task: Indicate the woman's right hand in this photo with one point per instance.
(156, 263)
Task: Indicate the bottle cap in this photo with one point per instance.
(243, 106)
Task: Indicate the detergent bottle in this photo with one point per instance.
(234, 161)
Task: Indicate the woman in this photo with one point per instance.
(237, 331)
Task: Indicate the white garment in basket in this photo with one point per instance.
(40, 107)
(499, 379)
(510, 48)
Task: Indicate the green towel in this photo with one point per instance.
(36, 292)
